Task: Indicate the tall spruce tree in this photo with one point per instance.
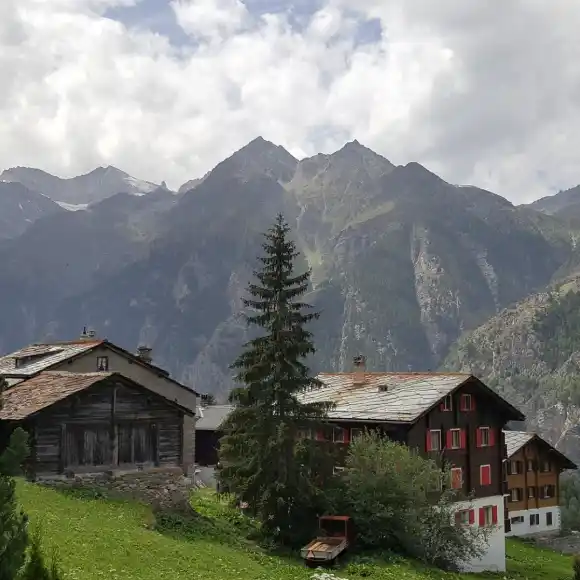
(13, 534)
(265, 460)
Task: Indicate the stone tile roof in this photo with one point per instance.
(41, 391)
(211, 417)
(43, 356)
(515, 440)
(396, 397)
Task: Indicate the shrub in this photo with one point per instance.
(394, 496)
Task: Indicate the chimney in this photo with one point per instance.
(359, 373)
(144, 353)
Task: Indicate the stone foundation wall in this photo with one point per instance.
(566, 544)
(164, 489)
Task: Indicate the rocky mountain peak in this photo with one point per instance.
(260, 156)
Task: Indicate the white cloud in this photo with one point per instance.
(478, 94)
(210, 19)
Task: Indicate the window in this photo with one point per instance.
(514, 467)
(485, 474)
(340, 435)
(518, 520)
(530, 465)
(549, 519)
(102, 363)
(534, 519)
(466, 403)
(304, 434)
(531, 492)
(434, 440)
(456, 478)
(447, 404)
(484, 437)
(546, 467)
(465, 517)
(516, 494)
(547, 491)
(488, 515)
(454, 439)
(355, 432)
(337, 469)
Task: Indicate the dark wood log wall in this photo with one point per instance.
(111, 425)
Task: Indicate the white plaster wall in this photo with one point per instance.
(524, 529)
(494, 557)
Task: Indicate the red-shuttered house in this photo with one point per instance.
(450, 416)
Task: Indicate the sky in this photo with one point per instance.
(484, 93)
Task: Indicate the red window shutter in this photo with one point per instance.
(449, 440)
(442, 406)
(478, 437)
(482, 517)
(346, 432)
(428, 441)
(491, 436)
(485, 475)
(472, 402)
(462, 439)
(320, 435)
(471, 516)
(457, 478)
(457, 518)
(494, 514)
(462, 404)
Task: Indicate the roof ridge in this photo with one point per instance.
(397, 373)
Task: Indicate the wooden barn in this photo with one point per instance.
(94, 422)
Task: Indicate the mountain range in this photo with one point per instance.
(412, 271)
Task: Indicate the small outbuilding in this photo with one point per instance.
(94, 422)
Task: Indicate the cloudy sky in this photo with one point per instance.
(480, 92)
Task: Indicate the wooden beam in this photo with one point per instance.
(62, 449)
(114, 428)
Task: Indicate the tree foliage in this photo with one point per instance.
(401, 502)
(13, 522)
(36, 567)
(265, 462)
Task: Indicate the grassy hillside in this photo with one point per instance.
(99, 539)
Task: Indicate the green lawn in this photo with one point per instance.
(98, 539)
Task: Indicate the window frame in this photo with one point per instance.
(534, 519)
(453, 479)
(531, 492)
(455, 431)
(103, 368)
(440, 434)
(466, 397)
(447, 403)
(356, 432)
(481, 471)
(337, 429)
(549, 519)
(484, 429)
(530, 466)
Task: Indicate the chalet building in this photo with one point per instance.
(89, 354)
(533, 469)
(94, 422)
(443, 415)
(449, 415)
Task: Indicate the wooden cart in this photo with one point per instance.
(334, 537)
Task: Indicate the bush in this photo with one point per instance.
(394, 497)
(576, 567)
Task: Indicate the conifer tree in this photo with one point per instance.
(265, 460)
(13, 534)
